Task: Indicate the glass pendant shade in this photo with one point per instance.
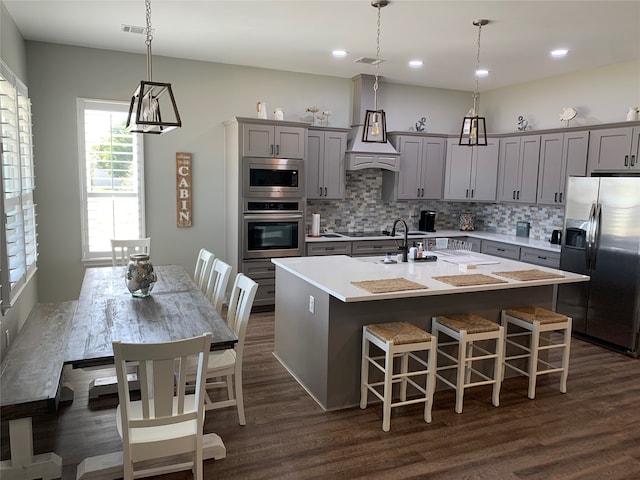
(375, 127)
(153, 109)
(473, 132)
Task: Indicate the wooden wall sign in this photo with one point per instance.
(183, 189)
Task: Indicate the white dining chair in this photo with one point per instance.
(121, 249)
(227, 364)
(166, 421)
(217, 283)
(203, 268)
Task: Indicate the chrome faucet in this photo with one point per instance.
(404, 248)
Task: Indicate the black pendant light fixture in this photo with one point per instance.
(153, 108)
(474, 129)
(375, 123)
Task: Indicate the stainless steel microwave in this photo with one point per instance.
(272, 177)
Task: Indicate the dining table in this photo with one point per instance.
(106, 311)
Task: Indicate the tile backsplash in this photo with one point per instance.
(363, 209)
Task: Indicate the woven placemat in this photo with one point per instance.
(524, 275)
(388, 285)
(468, 280)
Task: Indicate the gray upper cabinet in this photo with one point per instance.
(325, 163)
(518, 177)
(268, 140)
(471, 173)
(614, 149)
(422, 161)
(561, 155)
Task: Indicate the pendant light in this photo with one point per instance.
(474, 129)
(153, 108)
(375, 124)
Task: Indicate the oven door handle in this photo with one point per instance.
(272, 216)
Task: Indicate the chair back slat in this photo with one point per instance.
(204, 262)
(121, 249)
(217, 283)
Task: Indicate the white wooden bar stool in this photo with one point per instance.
(398, 339)
(527, 342)
(466, 329)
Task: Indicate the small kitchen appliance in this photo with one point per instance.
(427, 222)
(556, 237)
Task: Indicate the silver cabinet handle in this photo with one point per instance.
(560, 197)
(626, 160)
(555, 198)
(633, 160)
(325, 191)
(467, 194)
(277, 150)
(514, 195)
(271, 149)
(518, 196)
(472, 190)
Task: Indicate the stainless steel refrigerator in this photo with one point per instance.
(601, 238)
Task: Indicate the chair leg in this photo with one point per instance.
(197, 461)
(498, 368)
(430, 382)
(462, 369)
(533, 361)
(565, 358)
(386, 404)
(240, 397)
(364, 373)
(404, 368)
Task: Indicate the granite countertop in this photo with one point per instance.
(414, 234)
(334, 274)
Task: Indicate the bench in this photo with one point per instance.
(31, 384)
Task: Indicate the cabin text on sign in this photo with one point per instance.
(183, 189)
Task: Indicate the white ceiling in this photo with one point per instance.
(299, 35)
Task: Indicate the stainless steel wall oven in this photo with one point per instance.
(272, 177)
(272, 228)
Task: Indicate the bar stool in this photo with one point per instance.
(466, 329)
(398, 339)
(533, 321)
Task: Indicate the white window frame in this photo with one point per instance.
(103, 257)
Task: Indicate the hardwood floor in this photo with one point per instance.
(591, 432)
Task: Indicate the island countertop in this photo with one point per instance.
(335, 274)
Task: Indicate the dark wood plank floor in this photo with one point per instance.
(591, 432)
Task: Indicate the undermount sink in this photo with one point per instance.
(331, 235)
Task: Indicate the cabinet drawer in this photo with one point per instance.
(328, 248)
(259, 269)
(266, 294)
(503, 250)
(540, 257)
(373, 247)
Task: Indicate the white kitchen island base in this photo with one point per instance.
(319, 340)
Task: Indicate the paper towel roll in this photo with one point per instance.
(315, 225)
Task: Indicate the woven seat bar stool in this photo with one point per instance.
(398, 340)
(461, 351)
(528, 341)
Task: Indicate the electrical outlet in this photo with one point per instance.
(312, 304)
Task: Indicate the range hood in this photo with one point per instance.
(359, 154)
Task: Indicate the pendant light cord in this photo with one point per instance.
(375, 85)
(475, 93)
(149, 38)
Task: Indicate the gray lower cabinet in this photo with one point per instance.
(328, 248)
(518, 178)
(324, 169)
(499, 249)
(614, 149)
(471, 173)
(476, 243)
(264, 273)
(364, 248)
(421, 174)
(561, 155)
(540, 257)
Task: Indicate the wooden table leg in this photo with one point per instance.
(24, 465)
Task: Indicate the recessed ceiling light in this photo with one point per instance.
(416, 63)
(559, 52)
(481, 72)
(339, 53)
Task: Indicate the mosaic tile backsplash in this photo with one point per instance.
(364, 210)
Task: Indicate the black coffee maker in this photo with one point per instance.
(427, 221)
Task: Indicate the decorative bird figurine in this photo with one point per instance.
(568, 113)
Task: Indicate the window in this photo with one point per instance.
(112, 178)
(18, 244)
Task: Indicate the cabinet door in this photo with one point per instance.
(574, 158)
(610, 149)
(509, 169)
(314, 167)
(457, 181)
(529, 160)
(335, 144)
(258, 140)
(484, 172)
(433, 150)
(410, 174)
(289, 142)
(550, 181)
(635, 149)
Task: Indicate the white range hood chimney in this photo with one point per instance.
(361, 155)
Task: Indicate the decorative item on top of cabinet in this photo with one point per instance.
(422, 160)
(567, 114)
(271, 138)
(518, 173)
(471, 173)
(614, 149)
(325, 162)
(561, 155)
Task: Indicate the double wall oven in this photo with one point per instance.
(273, 208)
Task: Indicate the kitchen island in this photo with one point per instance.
(319, 312)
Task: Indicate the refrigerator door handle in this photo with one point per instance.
(596, 235)
(588, 249)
